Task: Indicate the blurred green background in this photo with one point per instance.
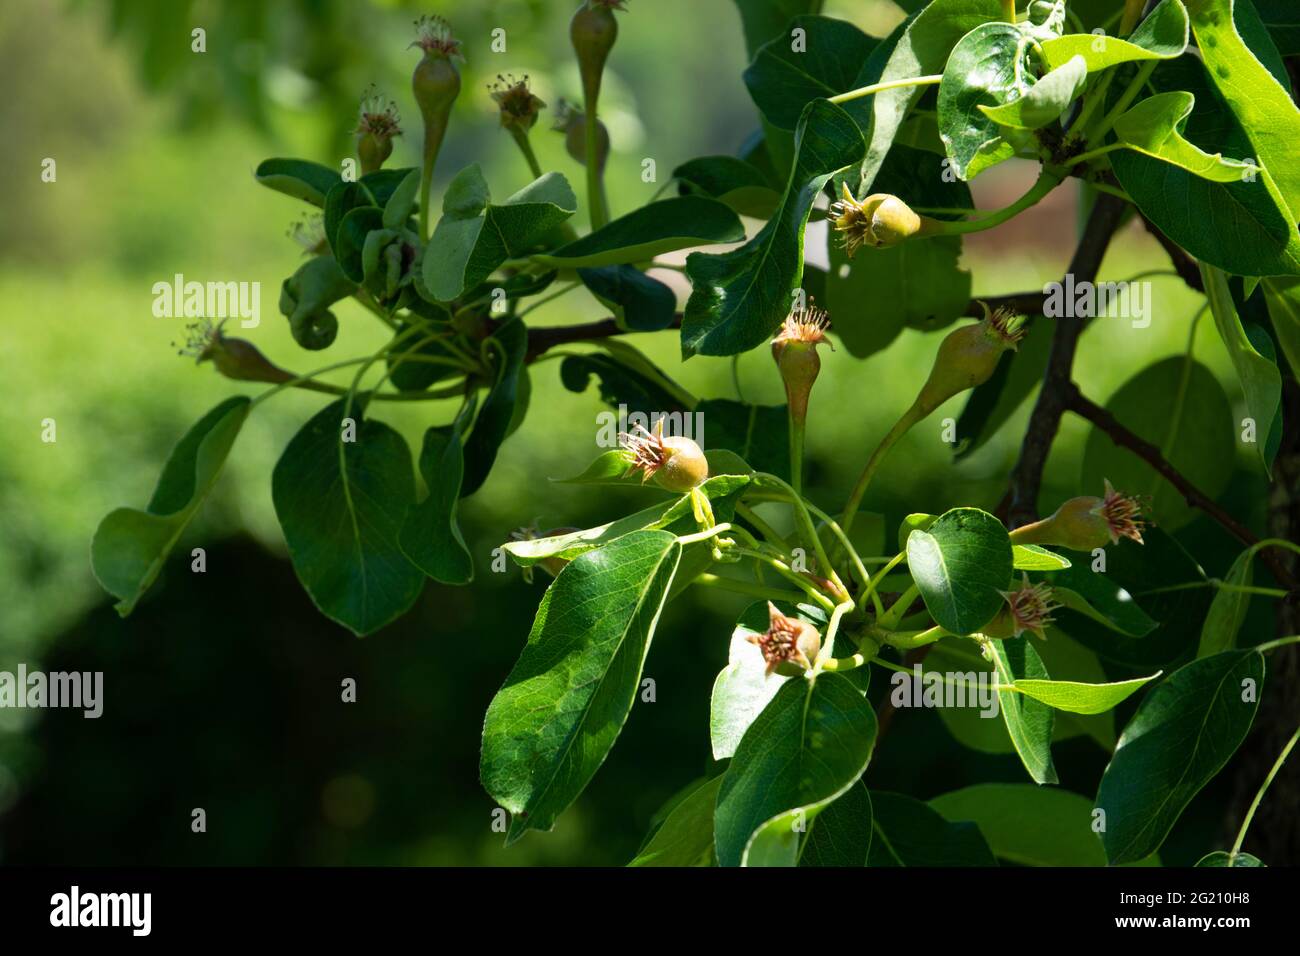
(222, 690)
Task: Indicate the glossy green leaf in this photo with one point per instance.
(764, 19)
(1045, 101)
(1030, 557)
(357, 224)
(554, 721)
(507, 347)
(785, 77)
(639, 302)
(1080, 698)
(401, 205)
(1161, 35)
(1028, 721)
(734, 182)
(685, 838)
(909, 833)
(1098, 596)
(921, 49)
(986, 68)
(1181, 736)
(663, 226)
(1282, 19)
(1252, 235)
(758, 434)
(341, 489)
(808, 746)
(1153, 129)
(130, 546)
(1283, 300)
(743, 688)
(623, 383)
(344, 197)
(475, 236)
(1178, 406)
(383, 183)
(1228, 607)
(1028, 825)
(1264, 107)
(298, 178)
(740, 297)
(1221, 859)
(961, 564)
(407, 372)
(841, 835)
(1261, 382)
(917, 521)
(430, 535)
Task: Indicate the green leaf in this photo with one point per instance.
(298, 178)
(406, 372)
(1264, 107)
(841, 834)
(685, 838)
(1045, 101)
(1029, 722)
(430, 536)
(383, 183)
(917, 521)
(1253, 235)
(1162, 35)
(1261, 382)
(637, 301)
(402, 203)
(1078, 698)
(1028, 825)
(474, 236)
(341, 504)
(623, 383)
(738, 184)
(507, 345)
(808, 746)
(306, 297)
(783, 80)
(1282, 19)
(1228, 608)
(743, 688)
(1153, 129)
(554, 721)
(1283, 299)
(1178, 406)
(1096, 595)
(985, 69)
(1219, 858)
(355, 227)
(921, 49)
(1181, 736)
(344, 197)
(1030, 557)
(741, 296)
(909, 833)
(130, 545)
(663, 226)
(961, 564)
(764, 19)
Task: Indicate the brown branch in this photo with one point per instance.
(1027, 478)
(1184, 264)
(542, 339)
(1121, 436)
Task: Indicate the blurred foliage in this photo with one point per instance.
(223, 690)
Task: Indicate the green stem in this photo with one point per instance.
(1046, 182)
(806, 526)
(1280, 642)
(595, 175)
(899, 608)
(1132, 14)
(909, 640)
(520, 137)
(1250, 814)
(887, 85)
(1009, 11)
(765, 529)
(789, 574)
(909, 418)
(737, 586)
(870, 591)
(1098, 132)
(550, 298)
(796, 453)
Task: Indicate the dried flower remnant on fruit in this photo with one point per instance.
(795, 352)
(1028, 608)
(433, 36)
(676, 463)
(787, 639)
(879, 220)
(518, 104)
(377, 124)
(1088, 522)
(236, 359)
